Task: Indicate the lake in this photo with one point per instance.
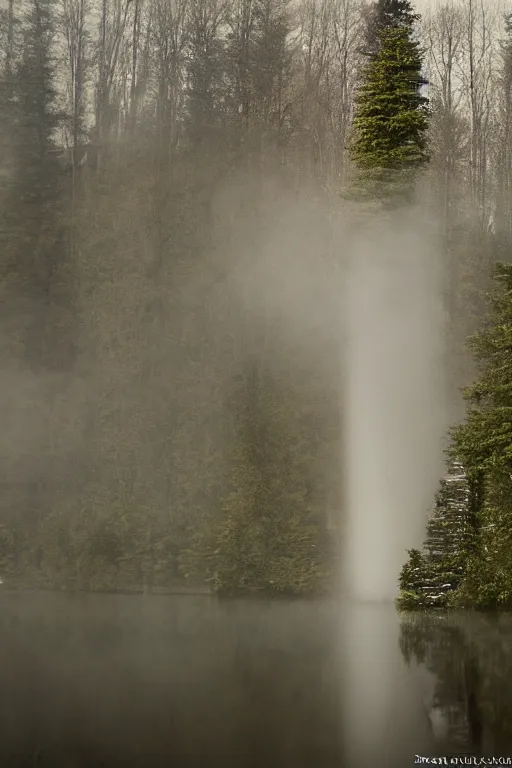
(111, 680)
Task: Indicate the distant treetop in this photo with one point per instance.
(394, 13)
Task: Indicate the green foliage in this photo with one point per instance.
(484, 440)
(386, 13)
(487, 584)
(431, 577)
(276, 553)
(389, 140)
(469, 549)
(408, 600)
(412, 578)
(267, 537)
(7, 554)
(36, 95)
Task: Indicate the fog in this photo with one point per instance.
(110, 680)
(394, 400)
(345, 316)
(384, 718)
(219, 377)
(119, 681)
(361, 301)
(346, 312)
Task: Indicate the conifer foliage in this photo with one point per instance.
(484, 443)
(429, 577)
(468, 542)
(391, 117)
(484, 440)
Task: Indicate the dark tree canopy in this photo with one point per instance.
(468, 540)
(394, 13)
(387, 13)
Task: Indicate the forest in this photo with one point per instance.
(166, 419)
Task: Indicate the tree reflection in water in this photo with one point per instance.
(469, 659)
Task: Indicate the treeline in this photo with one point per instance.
(169, 177)
(466, 560)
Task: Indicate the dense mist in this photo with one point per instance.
(395, 395)
(243, 244)
(346, 320)
(186, 350)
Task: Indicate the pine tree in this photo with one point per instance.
(35, 210)
(429, 577)
(468, 545)
(395, 13)
(35, 274)
(391, 118)
(484, 443)
(38, 116)
(268, 537)
(386, 13)
(449, 533)
(413, 577)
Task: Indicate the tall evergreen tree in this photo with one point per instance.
(469, 536)
(35, 207)
(268, 537)
(429, 577)
(484, 440)
(484, 443)
(36, 300)
(38, 117)
(395, 13)
(386, 13)
(391, 118)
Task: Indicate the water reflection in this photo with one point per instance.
(122, 682)
(466, 665)
(383, 719)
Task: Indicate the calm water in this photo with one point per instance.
(183, 681)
